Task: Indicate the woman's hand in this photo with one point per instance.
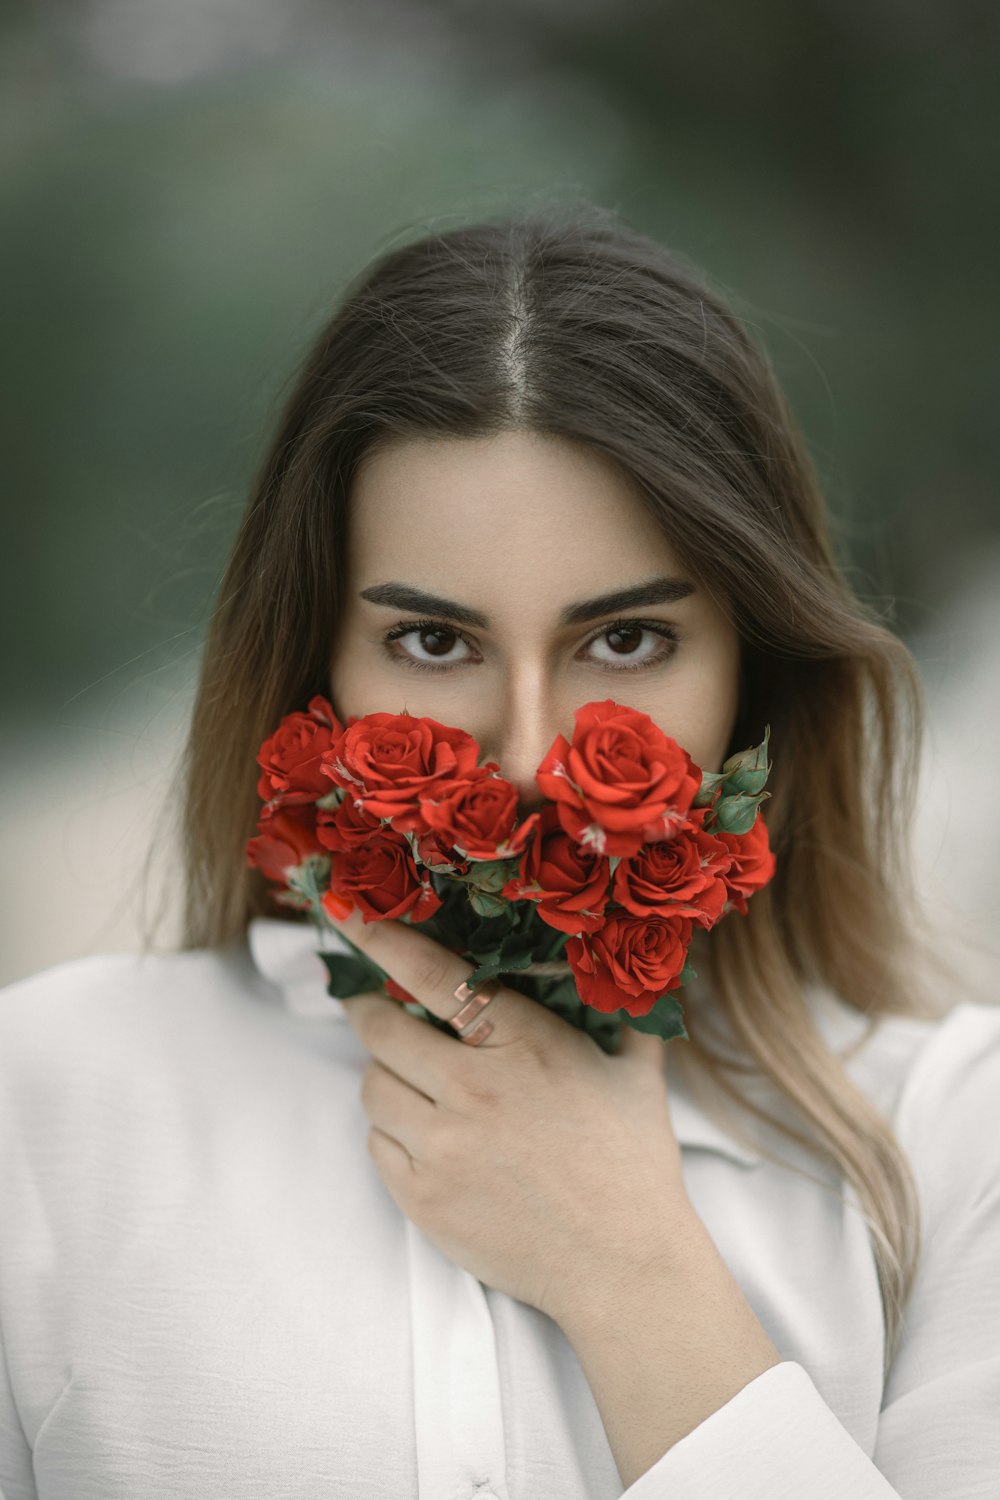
(534, 1160)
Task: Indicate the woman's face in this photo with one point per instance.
(526, 533)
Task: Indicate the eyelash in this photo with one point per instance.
(407, 627)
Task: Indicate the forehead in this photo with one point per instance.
(496, 508)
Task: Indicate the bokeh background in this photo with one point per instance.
(187, 186)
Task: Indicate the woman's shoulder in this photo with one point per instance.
(89, 978)
(84, 1003)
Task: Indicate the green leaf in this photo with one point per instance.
(519, 945)
(487, 968)
(666, 1019)
(515, 952)
(457, 925)
(351, 976)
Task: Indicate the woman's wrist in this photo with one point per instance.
(665, 1347)
(589, 1304)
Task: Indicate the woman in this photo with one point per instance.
(249, 1249)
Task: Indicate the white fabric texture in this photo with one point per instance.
(206, 1289)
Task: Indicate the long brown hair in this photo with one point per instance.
(568, 322)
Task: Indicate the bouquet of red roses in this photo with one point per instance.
(592, 900)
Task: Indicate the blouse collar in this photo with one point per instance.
(287, 953)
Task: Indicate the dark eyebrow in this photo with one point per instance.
(654, 591)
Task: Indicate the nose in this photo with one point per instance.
(519, 767)
(520, 750)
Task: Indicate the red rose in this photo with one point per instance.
(382, 879)
(284, 840)
(388, 761)
(290, 757)
(631, 962)
(568, 881)
(434, 851)
(346, 826)
(622, 780)
(753, 862)
(682, 876)
(478, 817)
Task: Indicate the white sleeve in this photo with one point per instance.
(939, 1425)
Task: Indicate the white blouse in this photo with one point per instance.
(207, 1290)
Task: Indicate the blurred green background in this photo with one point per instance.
(188, 184)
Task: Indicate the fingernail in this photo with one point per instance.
(339, 908)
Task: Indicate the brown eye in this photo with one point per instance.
(434, 636)
(631, 633)
(623, 638)
(424, 630)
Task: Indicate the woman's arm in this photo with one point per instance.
(675, 1347)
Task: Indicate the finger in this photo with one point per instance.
(426, 969)
(402, 1113)
(419, 1055)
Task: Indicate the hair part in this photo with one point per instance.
(572, 324)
